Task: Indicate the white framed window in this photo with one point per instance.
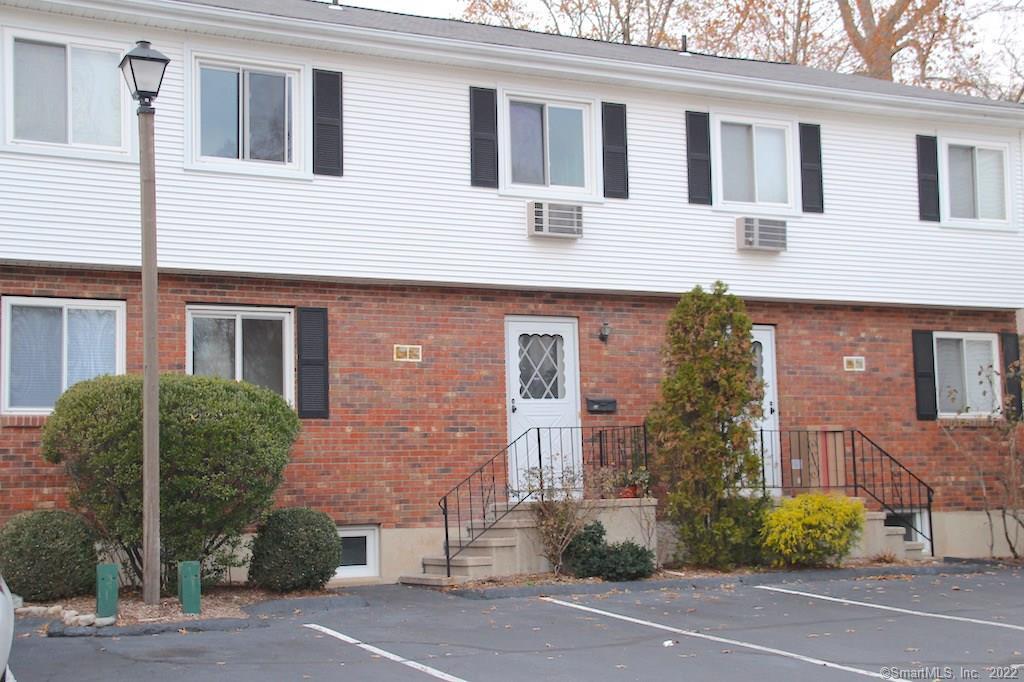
(65, 94)
(754, 162)
(548, 146)
(246, 116)
(49, 344)
(975, 183)
(360, 552)
(966, 378)
(914, 523)
(243, 344)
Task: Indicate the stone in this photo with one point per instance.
(104, 622)
(17, 601)
(34, 611)
(86, 619)
(70, 617)
(54, 610)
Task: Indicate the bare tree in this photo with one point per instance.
(925, 42)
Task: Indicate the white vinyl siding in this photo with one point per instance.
(50, 344)
(405, 211)
(65, 94)
(242, 344)
(966, 378)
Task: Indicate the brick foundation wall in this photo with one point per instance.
(401, 434)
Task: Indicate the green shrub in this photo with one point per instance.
(295, 549)
(584, 557)
(48, 555)
(223, 447)
(626, 561)
(729, 537)
(812, 530)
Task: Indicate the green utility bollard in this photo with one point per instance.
(106, 590)
(188, 586)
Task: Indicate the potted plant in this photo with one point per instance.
(635, 483)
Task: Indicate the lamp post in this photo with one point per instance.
(143, 69)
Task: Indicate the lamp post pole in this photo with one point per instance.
(150, 364)
(143, 69)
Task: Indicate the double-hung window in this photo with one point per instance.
(754, 162)
(65, 93)
(966, 378)
(243, 344)
(549, 145)
(246, 114)
(50, 344)
(975, 182)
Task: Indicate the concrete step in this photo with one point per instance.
(490, 545)
(431, 580)
(915, 549)
(462, 565)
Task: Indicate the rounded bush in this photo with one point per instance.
(627, 561)
(812, 530)
(584, 557)
(48, 555)
(223, 448)
(295, 549)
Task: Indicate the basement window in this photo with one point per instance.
(359, 552)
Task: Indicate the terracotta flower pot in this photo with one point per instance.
(629, 492)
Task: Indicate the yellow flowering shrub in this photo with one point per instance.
(813, 529)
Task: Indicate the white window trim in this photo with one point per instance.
(947, 219)
(993, 339)
(919, 517)
(64, 303)
(301, 100)
(286, 315)
(372, 567)
(593, 186)
(125, 152)
(792, 169)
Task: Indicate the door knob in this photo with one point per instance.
(771, 407)
(513, 405)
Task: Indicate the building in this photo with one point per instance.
(432, 236)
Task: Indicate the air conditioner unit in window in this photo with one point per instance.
(760, 234)
(546, 219)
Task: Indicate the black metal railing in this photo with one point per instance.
(574, 455)
(798, 460)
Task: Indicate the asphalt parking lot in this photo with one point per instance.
(924, 627)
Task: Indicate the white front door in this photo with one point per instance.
(768, 443)
(542, 392)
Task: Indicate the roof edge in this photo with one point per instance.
(490, 56)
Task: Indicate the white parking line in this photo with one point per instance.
(910, 612)
(433, 672)
(721, 640)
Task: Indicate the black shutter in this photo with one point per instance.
(928, 178)
(810, 168)
(313, 402)
(328, 133)
(483, 137)
(1011, 370)
(924, 375)
(698, 157)
(616, 159)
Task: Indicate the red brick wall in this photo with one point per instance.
(400, 434)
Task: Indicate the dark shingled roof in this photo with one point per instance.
(453, 29)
